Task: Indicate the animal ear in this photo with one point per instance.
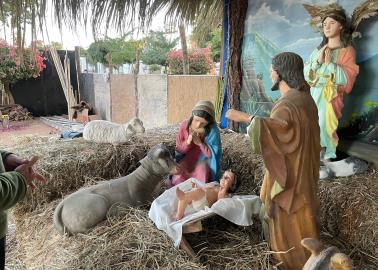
(159, 151)
(312, 244)
(163, 163)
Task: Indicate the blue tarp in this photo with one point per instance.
(223, 122)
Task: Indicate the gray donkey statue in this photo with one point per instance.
(89, 206)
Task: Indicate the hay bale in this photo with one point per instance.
(349, 205)
(14, 253)
(248, 167)
(28, 139)
(130, 241)
(71, 164)
(350, 210)
(224, 245)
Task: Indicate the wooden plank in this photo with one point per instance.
(122, 98)
(192, 227)
(209, 214)
(186, 247)
(185, 90)
(61, 123)
(360, 149)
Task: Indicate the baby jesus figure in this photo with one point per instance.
(207, 195)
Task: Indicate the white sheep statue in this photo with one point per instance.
(102, 131)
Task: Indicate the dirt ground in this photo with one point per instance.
(9, 136)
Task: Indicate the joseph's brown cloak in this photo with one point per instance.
(290, 146)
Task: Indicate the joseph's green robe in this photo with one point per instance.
(12, 190)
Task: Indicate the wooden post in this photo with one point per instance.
(78, 71)
(64, 77)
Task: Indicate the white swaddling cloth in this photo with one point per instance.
(237, 209)
(200, 204)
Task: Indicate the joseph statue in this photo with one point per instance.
(289, 143)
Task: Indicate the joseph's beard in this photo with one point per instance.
(275, 86)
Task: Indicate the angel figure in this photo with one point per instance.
(331, 70)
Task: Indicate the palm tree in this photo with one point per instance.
(184, 46)
(119, 14)
(125, 13)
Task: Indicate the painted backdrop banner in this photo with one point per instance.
(274, 26)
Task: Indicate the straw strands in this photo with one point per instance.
(349, 213)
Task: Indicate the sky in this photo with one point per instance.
(83, 36)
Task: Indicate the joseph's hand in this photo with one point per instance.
(238, 116)
(27, 170)
(12, 162)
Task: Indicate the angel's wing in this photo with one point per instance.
(317, 13)
(365, 10)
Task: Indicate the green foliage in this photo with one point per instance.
(154, 68)
(156, 48)
(96, 52)
(16, 11)
(216, 44)
(57, 45)
(200, 36)
(116, 50)
(206, 21)
(83, 52)
(205, 37)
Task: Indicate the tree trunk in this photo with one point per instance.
(6, 97)
(185, 57)
(136, 72)
(110, 62)
(137, 61)
(237, 15)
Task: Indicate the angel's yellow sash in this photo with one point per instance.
(329, 93)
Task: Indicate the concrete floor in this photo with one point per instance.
(11, 136)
